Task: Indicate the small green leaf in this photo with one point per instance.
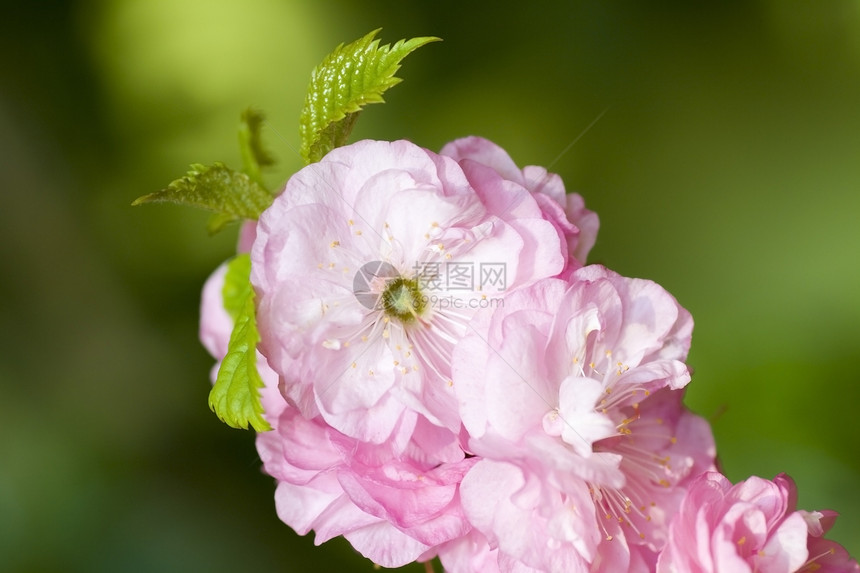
(237, 285)
(254, 156)
(349, 78)
(232, 195)
(235, 397)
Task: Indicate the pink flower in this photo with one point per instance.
(570, 393)
(395, 502)
(576, 226)
(752, 526)
(367, 269)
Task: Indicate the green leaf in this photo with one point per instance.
(237, 285)
(349, 78)
(218, 221)
(231, 194)
(235, 397)
(254, 156)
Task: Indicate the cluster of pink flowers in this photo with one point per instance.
(445, 377)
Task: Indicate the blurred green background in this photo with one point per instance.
(726, 167)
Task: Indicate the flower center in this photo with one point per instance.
(402, 299)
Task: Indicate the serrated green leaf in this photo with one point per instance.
(235, 397)
(349, 78)
(231, 194)
(254, 156)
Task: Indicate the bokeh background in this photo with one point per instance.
(726, 167)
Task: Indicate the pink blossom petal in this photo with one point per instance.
(575, 225)
(581, 424)
(785, 550)
(485, 152)
(509, 510)
(385, 545)
(468, 554)
(215, 323)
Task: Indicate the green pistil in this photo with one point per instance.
(402, 299)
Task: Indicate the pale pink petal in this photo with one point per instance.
(247, 235)
(215, 323)
(575, 225)
(515, 513)
(785, 550)
(484, 152)
(385, 545)
(468, 554)
(580, 423)
(587, 222)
